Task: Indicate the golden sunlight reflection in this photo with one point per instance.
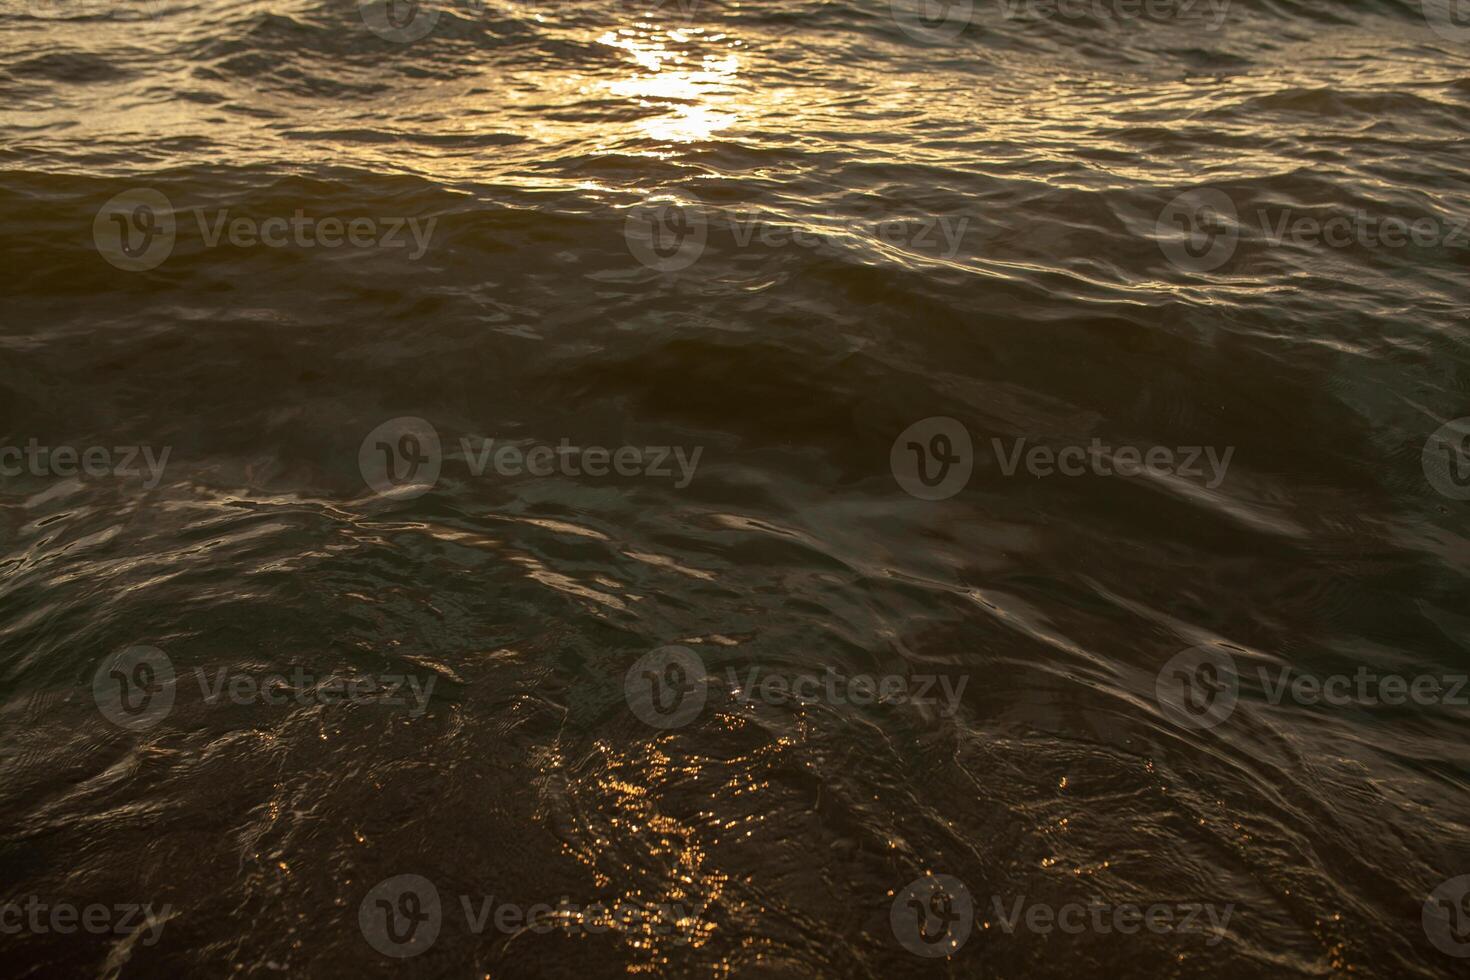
(623, 836)
(695, 91)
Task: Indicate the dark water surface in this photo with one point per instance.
(805, 265)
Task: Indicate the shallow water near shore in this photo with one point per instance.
(734, 490)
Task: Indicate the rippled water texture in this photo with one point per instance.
(896, 225)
